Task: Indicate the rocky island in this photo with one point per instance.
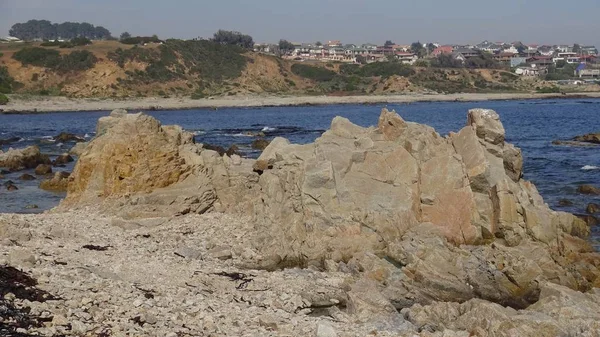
(391, 230)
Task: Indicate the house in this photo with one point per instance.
(467, 53)
(540, 61)
(334, 43)
(510, 49)
(406, 58)
(517, 61)
(489, 47)
(459, 57)
(10, 39)
(589, 50)
(583, 70)
(546, 50)
(442, 50)
(531, 71)
(569, 57)
(504, 57)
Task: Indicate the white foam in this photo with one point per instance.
(47, 137)
(590, 167)
(268, 129)
(86, 136)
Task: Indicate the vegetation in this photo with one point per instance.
(125, 35)
(380, 69)
(7, 83)
(76, 42)
(314, 73)
(562, 71)
(233, 38)
(285, 47)
(46, 30)
(417, 48)
(48, 58)
(548, 90)
(483, 61)
(3, 99)
(140, 40)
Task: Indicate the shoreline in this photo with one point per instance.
(43, 104)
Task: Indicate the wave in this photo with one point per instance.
(198, 132)
(268, 129)
(86, 136)
(590, 167)
(60, 144)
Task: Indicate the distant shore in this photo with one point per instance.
(44, 104)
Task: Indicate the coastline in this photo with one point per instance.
(43, 104)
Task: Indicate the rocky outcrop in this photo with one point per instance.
(63, 159)
(426, 218)
(593, 138)
(58, 183)
(21, 159)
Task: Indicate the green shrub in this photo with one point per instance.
(3, 99)
(549, 90)
(141, 40)
(80, 41)
(54, 43)
(314, 73)
(385, 70)
(36, 56)
(7, 83)
(76, 61)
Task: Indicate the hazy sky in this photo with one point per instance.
(356, 21)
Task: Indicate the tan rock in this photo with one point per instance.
(21, 159)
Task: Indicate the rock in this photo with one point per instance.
(325, 330)
(233, 150)
(188, 253)
(60, 320)
(565, 202)
(592, 208)
(11, 187)
(43, 169)
(32, 206)
(65, 137)
(221, 253)
(260, 166)
(260, 144)
(15, 231)
(78, 149)
(487, 125)
(593, 138)
(21, 159)
(219, 149)
(26, 177)
(63, 159)
(10, 140)
(58, 183)
(22, 257)
(589, 219)
(268, 322)
(588, 189)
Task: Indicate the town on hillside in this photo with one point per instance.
(525, 60)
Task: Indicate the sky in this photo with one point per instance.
(351, 21)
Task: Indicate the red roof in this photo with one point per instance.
(443, 50)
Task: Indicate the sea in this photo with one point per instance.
(532, 125)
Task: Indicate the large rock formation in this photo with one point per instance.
(21, 159)
(427, 218)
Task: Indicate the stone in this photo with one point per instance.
(588, 189)
(15, 231)
(58, 183)
(593, 138)
(63, 159)
(65, 137)
(487, 125)
(592, 208)
(22, 257)
(78, 149)
(60, 320)
(188, 253)
(26, 177)
(268, 322)
(565, 202)
(221, 253)
(21, 159)
(260, 144)
(43, 169)
(325, 330)
(11, 187)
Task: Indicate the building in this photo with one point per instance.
(517, 61)
(467, 53)
(442, 50)
(406, 58)
(583, 70)
(531, 71)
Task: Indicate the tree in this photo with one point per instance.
(576, 48)
(46, 30)
(318, 44)
(285, 47)
(430, 48)
(418, 49)
(388, 43)
(125, 35)
(360, 59)
(233, 38)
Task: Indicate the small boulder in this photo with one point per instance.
(590, 220)
(233, 150)
(43, 169)
(588, 189)
(592, 208)
(593, 138)
(260, 144)
(565, 202)
(260, 166)
(58, 183)
(65, 137)
(26, 177)
(78, 149)
(11, 187)
(219, 149)
(63, 159)
(325, 330)
(221, 252)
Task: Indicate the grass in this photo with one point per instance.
(3, 99)
(314, 73)
(41, 57)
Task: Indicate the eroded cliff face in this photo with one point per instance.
(426, 218)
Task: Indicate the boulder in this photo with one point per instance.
(424, 218)
(63, 159)
(11, 187)
(260, 144)
(65, 137)
(592, 208)
(26, 177)
(588, 189)
(78, 149)
(593, 138)
(21, 159)
(58, 183)
(43, 169)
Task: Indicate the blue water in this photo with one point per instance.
(530, 125)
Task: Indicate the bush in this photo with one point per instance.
(80, 41)
(36, 56)
(41, 57)
(7, 83)
(141, 40)
(3, 99)
(314, 73)
(385, 70)
(549, 90)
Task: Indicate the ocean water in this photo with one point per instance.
(531, 125)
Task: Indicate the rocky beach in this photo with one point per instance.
(40, 104)
(390, 230)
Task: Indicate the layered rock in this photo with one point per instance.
(427, 218)
(21, 159)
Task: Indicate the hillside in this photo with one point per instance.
(200, 69)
